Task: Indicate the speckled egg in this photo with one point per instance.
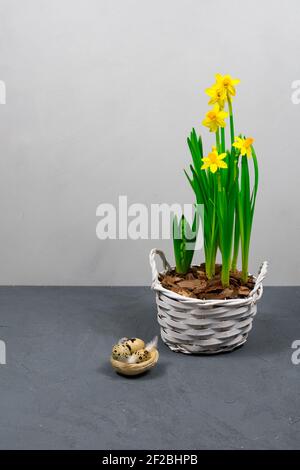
(140, 356)
(120, 352)
(134, 344)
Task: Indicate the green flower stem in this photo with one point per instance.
(210, 235)
(225, 273)
(222, 139)
(245, 262)
(246, 210)
(226, 211)
(231, 120)
(209, 266)
(236, 242)
(236, 224)
(245, 216)
(219, 182)
(218, 140)
(236, 239)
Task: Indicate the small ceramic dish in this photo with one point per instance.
(135, 369)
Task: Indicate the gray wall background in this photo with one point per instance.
(100, 98)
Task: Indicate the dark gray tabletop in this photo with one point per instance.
(58, 390)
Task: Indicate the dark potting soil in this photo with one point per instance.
(196, 285)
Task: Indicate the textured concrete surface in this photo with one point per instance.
(59, 392)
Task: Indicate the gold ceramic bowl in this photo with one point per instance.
(135, 369)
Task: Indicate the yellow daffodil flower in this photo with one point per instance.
(227, 83)
(213, 161)
(217, 95)
(215, 118)
(243, 145)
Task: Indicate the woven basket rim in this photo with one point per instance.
(253, 297)
(174, 295)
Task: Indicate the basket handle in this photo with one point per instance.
(154, 269)
(260, 277)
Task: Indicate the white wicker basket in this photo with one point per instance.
(195, 326)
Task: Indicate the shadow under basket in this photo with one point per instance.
(194, 326)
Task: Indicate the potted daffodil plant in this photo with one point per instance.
(209, 307)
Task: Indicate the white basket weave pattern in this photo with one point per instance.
(194, 326)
